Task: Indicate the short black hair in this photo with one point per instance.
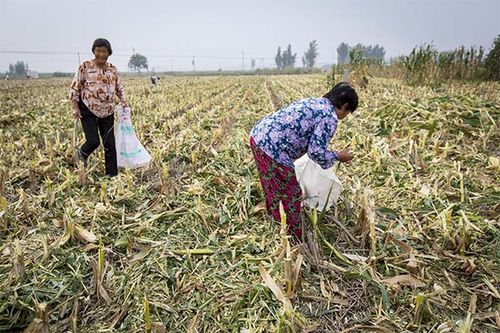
(102, 42)
(343, 93)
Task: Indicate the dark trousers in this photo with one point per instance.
(91, 125)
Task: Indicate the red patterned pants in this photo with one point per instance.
(279, 184)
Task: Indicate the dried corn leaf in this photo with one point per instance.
(276, 290)
(404, 280)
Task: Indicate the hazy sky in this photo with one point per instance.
(169, 33)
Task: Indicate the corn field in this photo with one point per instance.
(425, 65)
(184, 245)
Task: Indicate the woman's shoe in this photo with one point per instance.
(81, 158)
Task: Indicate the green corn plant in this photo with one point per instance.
(99, 272)
(18, 266)
(41, 322)
(292, 260)
(358, 68)
(147, 316)
(3, 178)
(420, 68)
(313, 217)
(466, 324)
(422, 312)
(74, 317)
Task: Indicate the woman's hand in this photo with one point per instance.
(344, 155)
(76, 112)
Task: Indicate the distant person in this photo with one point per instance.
(154, 79)
(303, 127)
(93, 91)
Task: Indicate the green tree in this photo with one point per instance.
(137, 62)
(278, 59)
(375, 53)
(343, 53)
(19, 69)
(311, 54)
(492, 62)
(288, 59)
(378, 52)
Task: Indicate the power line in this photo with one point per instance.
(194, 61)
(124, 55)
(38, 52)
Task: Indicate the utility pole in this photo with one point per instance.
(243, 60)
(193, 63)
(79, 61)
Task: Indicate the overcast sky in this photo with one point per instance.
(217, 32)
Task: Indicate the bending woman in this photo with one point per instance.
(305, 126)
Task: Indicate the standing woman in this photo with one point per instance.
(92, 96)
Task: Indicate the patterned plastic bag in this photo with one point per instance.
(320, 187)
(130, 153)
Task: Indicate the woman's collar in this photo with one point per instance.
(106, 66)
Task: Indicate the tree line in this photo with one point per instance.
(422, 62)
(376, 52)
(287, 58)
(19, 69)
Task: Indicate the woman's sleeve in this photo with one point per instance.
(76, 84)
(318, 144)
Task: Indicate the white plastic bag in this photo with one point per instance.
(130, 153)
(316, 183)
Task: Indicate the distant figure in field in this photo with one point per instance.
(303, 127)
(93, 91)
(154, 79)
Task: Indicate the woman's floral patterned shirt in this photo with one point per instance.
(305, 126)
(97, 87)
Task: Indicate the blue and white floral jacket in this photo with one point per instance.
(305, 126)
